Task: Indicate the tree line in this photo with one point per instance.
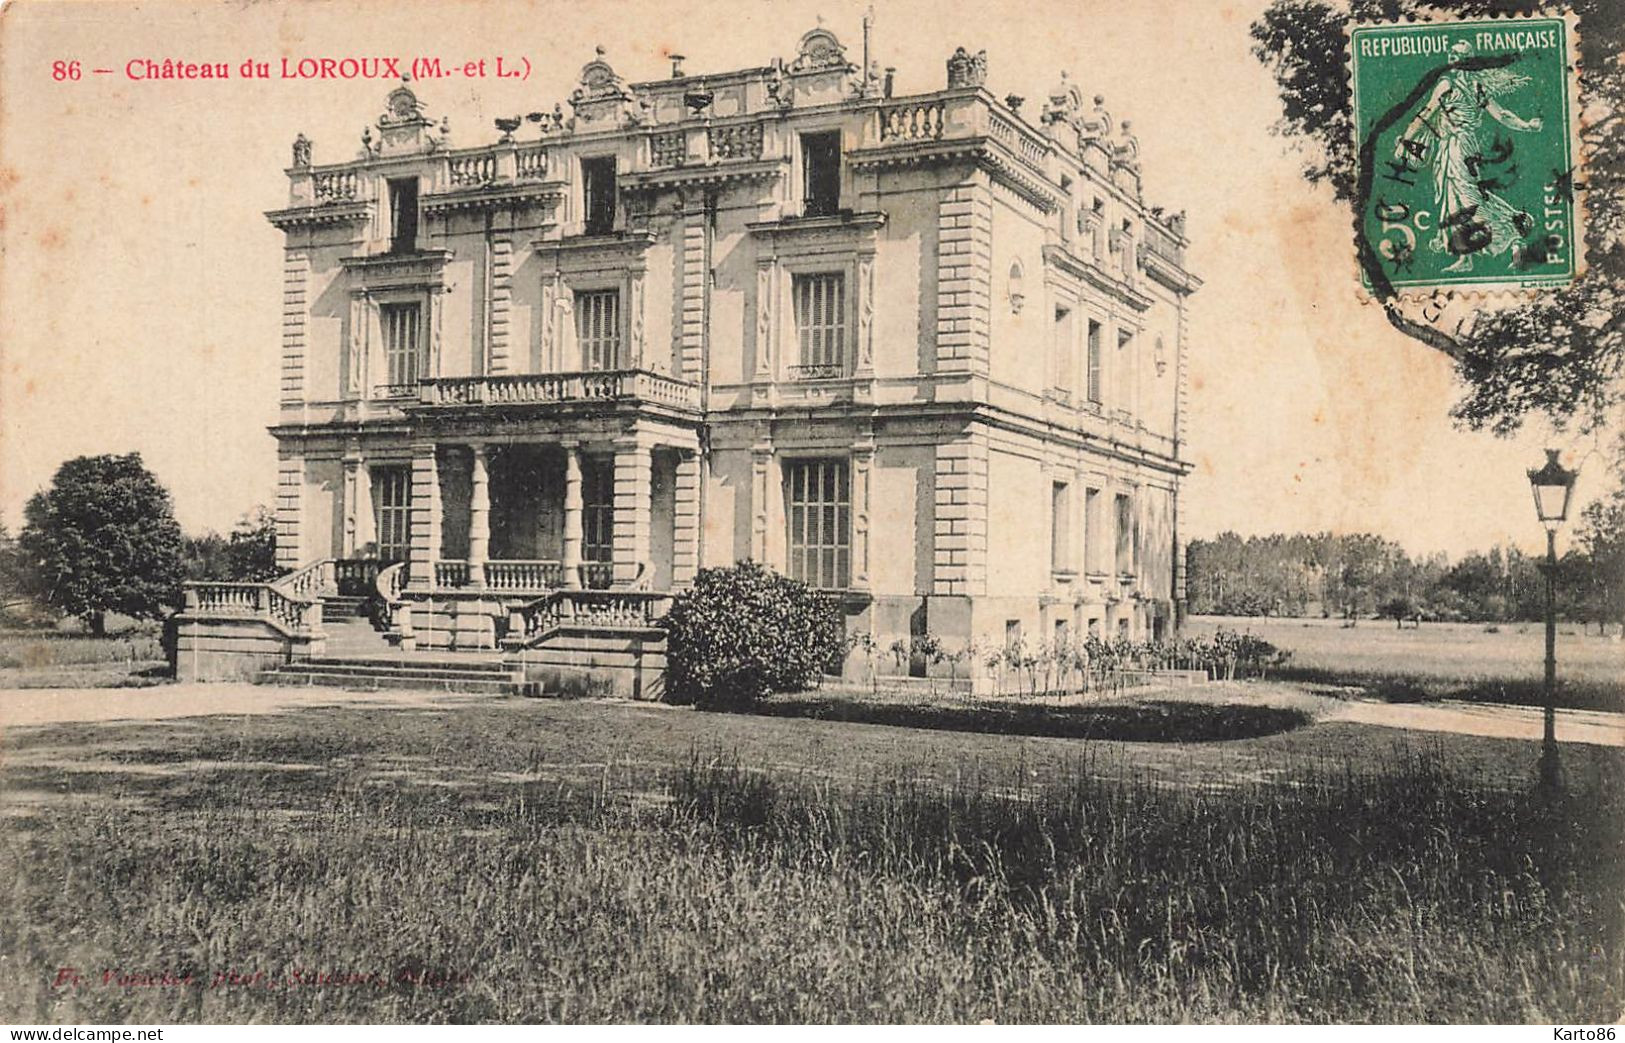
(1364, 576)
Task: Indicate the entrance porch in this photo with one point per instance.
(528, 518)
(492, 526)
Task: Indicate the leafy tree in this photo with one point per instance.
(1561, 354)
(1398, 609)
(1601, 535)
(204, 557)
(103, 539)
(251, 548)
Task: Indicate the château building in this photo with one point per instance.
(925, 352)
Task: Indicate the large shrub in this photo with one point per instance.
(744, 631)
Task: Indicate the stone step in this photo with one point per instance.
(372, 682)
(336, 608)
(471, 665)
(428, 672)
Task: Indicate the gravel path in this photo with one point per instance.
(42, 706)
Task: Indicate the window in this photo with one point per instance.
(403, 214)
(403, 343)
(598, 328)
(1125, 535)
(597, 509)
(1062, 380)
(1060, 527)
(819, 499)
(1060, 532)
(820, 302)
(598, 194)
(392, 512)
(1091, 522)
(1124, 371)
(1094, 362)
(1012, 635)
(821, 173)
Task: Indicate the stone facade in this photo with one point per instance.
(918, 350)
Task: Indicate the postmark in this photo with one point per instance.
(1467, 156)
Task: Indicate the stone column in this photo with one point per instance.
(633, 509)
(479, 516)
(572, 516)
(685, 558)
(425, 515)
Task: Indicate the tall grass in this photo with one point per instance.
(31, 650)
(714, 892)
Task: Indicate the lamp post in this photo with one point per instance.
(1553, 486)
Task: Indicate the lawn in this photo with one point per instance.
(1469, 661)
(572, 861)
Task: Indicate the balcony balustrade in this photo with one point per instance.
(538, 389)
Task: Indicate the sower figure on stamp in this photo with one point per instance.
(1472, 218)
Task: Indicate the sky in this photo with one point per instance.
(140, 284)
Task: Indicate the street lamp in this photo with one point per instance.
(1553, 486)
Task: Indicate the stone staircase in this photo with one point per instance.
(483, 677)
(358, 656)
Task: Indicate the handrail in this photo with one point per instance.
(306, 582)
(387, 587)
(390, 581)
(292, 614)
(620, 609)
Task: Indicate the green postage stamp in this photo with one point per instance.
(1467, 155)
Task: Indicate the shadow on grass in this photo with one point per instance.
(1395, 687)
(1151, 721)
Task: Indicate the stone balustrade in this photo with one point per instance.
(471, 170)
(588, 608)
(451, 573)
(912, 121)
(334, 186)
(530, 164)
(1030, 149)
(524, 575)
(535, 389)
(356, 577)
(668, 149)
(1163, 244)
(262, 601)
(735, 141)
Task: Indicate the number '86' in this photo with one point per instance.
(64, 70)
